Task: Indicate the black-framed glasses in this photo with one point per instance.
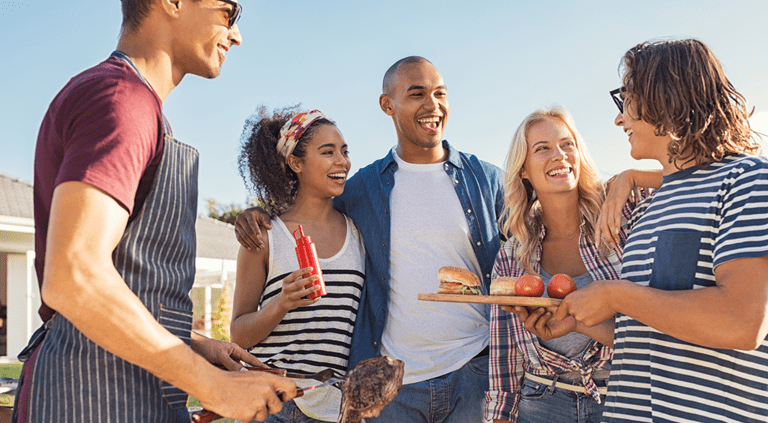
(616, 96)
(237, 9)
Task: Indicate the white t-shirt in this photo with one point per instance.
(429, 230)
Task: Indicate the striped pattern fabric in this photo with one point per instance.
(75, 380)
(312, 338)
(514, 350)
(698, 219)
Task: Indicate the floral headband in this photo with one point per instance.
(293, 130)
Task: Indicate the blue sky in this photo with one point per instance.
(500, 61)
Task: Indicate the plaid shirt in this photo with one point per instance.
(514, 350)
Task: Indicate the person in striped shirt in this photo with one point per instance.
(552, 198)
(297, 162)
(690, 308)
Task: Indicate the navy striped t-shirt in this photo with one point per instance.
(700, 218)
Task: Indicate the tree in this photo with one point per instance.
(226, 212)
(222, 315)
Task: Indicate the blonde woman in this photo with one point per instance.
(553, 197)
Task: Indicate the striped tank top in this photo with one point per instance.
(318, 336)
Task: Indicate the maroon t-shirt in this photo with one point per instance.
(104, 128)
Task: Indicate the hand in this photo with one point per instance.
(539, 321)
(247, 396)
(248, 227)
(590, 305)
(224, 353)
(294, 292)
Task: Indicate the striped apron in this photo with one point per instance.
(75, 380)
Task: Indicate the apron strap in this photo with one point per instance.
(127, 60)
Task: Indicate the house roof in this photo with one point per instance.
(216, 239)
(15, 197)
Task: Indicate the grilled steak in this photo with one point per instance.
(371, 385)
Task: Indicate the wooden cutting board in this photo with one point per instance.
(492, 299)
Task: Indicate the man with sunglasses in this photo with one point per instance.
(691, 328)
(115, 211)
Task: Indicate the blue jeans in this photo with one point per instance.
(457, 397)
(290, 414)
(544, 404)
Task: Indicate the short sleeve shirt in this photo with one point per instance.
(699, 219)
(104, 128)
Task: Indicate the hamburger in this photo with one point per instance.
(455, 280)
(503, 285)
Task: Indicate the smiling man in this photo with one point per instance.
(691, 328)
(423, 206)
(115, 210)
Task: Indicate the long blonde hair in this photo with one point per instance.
(522, 209)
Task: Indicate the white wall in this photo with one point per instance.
(23, 301)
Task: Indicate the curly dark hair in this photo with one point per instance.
(680, 87)
(263, 169)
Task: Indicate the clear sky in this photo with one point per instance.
(499, 59)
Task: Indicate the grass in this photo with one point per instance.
(9, 370)
(195, 403)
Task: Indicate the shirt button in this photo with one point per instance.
(375, 343)
(386, 211)
(487, 276)
(478, 243)
(469, 210)
(456, 181)
(383, 244)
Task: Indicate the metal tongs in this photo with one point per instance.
(328, 377)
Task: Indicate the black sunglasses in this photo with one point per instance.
(237, 9)
(616, 96)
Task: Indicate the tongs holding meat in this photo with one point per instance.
(329, 377)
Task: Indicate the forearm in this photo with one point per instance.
(249, 329)
(708, 317)
(602, 333)
(646, 178)
(99, 303)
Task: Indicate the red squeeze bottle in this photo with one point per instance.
(307, 255)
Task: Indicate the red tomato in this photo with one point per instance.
(560, 285)
(529, 286)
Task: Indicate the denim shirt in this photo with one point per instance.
(478, 185)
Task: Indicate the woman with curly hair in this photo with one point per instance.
(552, 196)
(691, 328)
(296, 163)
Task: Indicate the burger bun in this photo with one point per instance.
(503, 285)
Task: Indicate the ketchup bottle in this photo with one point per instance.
(307, 255)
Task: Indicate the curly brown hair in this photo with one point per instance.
(680, 87)
(263, 169)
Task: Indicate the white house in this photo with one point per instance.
(19, 294)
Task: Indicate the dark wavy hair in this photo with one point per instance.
(680, 88)
(263, 169)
